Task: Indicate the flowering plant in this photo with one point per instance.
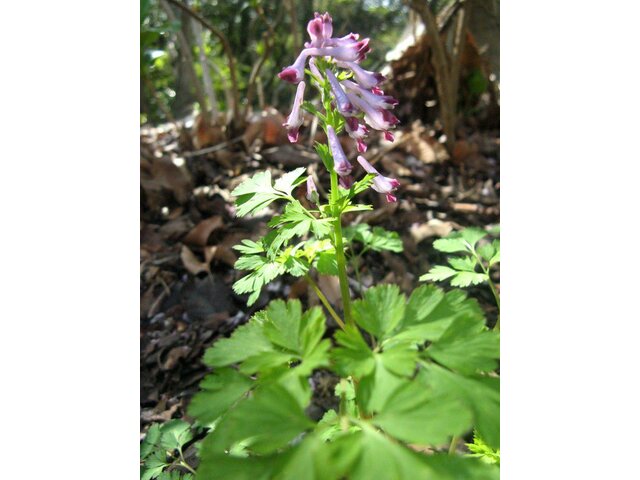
(413, 375)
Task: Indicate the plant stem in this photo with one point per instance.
(491, 286)
(324, 301)
(184, 463)
(339, 246)
(453, 445)
(187, 466)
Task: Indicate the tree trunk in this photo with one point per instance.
(185, 49)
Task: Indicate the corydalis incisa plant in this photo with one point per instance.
(416, 374)
(352, 101)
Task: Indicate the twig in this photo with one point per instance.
(215, 148)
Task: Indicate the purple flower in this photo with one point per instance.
(377, 101)
(314, 69)
(365, 78)
(378, 119)
(343, 103)
(381, 183)
(340, 163)
(295, 73)
(320, 29)
(312, 191)
(349, 52)
(294, 120)
(357, 131)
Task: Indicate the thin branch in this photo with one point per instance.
(268, 39)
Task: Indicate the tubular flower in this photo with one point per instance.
(319, 29)
(349, 52)
(294, 121)
(312, 191)
(342, 102)
(377, 101)
(378, 119)
(357, 131)
(365, 78)
(381, 183)
(314, 69)
(295, 73)
(340, 163)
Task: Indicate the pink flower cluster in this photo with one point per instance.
(360, 101)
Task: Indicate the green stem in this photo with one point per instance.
(184, 463)
(496, 327)
(453, 445)
(356, 268)
(339, 246)
(325, 302)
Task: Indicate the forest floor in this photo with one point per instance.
(188, 227)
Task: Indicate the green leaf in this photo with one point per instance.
(249, 247)
(327, 263)
(218, 392)
(465, 350)
(153, 465)
(377, 457)
(486, 251)
(480, 394)
(377, 239)
(286, 183)
(380, 310)
(451, 245)
(175, 475)
(352, 356)
(484, 452)
(411, 413)
(473, 235)
(151, 441)
(263, 274)
(464, 279)
(255, 194)
(496, 257)
(175, 433)
(465, 264)
(438, 274)
(375, 388)
(246, 341)
(269, 420)
(430, 312)
(325, 155)
(288, 328)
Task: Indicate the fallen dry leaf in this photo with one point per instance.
(433, 228)
(191, 262)
(199, 235)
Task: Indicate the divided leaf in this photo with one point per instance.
(219, 391)
(257, 192)
(381, 309)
